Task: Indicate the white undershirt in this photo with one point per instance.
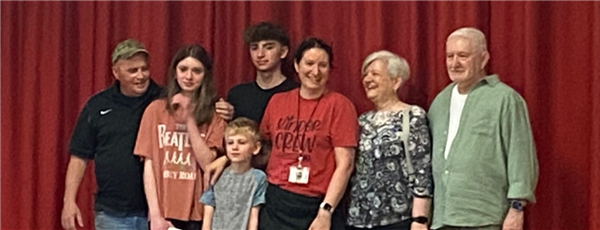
(457, 103)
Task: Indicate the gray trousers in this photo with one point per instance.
(489, 227)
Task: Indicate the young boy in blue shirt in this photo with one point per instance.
(233, 202)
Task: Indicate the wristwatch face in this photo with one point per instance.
(326, 206)
(517, 205)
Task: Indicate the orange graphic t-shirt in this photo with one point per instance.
(177, 174)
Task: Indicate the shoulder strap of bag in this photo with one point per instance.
(404, 137)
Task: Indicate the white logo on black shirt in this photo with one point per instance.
(104, 112)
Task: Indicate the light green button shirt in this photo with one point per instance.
(491, 159)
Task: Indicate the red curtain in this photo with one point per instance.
(55, 55)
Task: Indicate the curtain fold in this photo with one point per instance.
(55, 55)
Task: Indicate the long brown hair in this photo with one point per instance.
(205, 96)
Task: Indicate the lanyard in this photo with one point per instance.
(300, 157)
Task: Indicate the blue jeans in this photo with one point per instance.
(107, 222)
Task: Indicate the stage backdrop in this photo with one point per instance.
(55, 55)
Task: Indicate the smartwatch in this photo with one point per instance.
(420, 219)
(326, 206)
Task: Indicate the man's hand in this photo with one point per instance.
(418, 226)
(224, 109)
(70, 213)
(514, 220)
(322, 221)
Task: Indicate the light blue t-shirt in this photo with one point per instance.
(233, 196)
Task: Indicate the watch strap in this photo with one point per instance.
(420, 219)
(326, 206)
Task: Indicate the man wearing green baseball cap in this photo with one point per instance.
(105, 132)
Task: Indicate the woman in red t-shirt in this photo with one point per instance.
(179, 135)
(313, 132)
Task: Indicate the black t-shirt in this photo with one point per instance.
(249, 100)
(106, 132)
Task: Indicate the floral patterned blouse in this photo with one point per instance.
(380, 191)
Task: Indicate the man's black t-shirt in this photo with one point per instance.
(249, 100)
(105, 132)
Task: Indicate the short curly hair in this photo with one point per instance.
(266, 31)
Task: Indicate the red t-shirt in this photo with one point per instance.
(177, 174)
(327, 122)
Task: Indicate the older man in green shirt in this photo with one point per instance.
(484, 163)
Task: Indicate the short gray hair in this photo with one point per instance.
(396, 65)
(474, 35)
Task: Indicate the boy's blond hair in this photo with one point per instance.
(244, 126)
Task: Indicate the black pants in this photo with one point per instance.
(183, 225)
(284, 210)
(402, 225)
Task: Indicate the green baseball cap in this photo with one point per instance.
(126, 49)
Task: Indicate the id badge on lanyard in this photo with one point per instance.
(299, 173)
